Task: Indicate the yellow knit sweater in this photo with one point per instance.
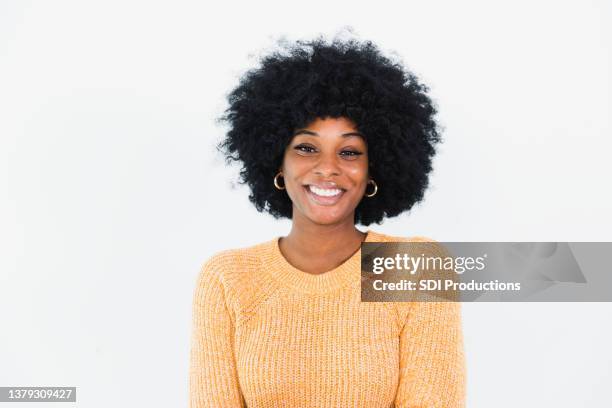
(266, 334)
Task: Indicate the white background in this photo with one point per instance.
(112, 195)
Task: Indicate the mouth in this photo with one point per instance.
(324, 196)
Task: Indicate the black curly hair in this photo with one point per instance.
(306, 80)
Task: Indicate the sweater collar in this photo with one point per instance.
(286, 274)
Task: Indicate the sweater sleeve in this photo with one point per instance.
(213, 378)
(432, 361)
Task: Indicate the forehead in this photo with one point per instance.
(330, 127)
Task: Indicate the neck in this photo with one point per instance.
(320, 239)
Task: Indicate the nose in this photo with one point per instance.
(327, 166)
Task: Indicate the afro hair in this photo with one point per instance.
(305, 80)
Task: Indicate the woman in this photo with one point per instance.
(328, 135)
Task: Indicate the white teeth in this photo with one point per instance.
(326, 192)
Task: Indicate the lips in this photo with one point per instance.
(324, 193)
(324, 184)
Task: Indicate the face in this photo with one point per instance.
(325, 170)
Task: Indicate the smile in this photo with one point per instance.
(324, 196)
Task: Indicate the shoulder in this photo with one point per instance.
(226, 264)
(422, 244)
(380, 237)
(236, 275)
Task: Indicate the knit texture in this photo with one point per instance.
(266, 334)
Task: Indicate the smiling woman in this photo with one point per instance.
(330, 136)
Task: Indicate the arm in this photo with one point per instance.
(213, 378)
(432, 362)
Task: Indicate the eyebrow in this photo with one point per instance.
(310, 132)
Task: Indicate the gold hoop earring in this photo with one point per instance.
(375, 188)
(279, 187)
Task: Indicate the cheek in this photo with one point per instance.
(293, 171)
(358, 174)
(293, 174)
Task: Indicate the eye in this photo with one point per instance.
(350, 153)
(305, 148)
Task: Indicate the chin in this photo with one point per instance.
(326, 218)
